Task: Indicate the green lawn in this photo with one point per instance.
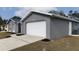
(4, 35)
(68, 43)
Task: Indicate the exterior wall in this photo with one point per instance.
(37, 17)
(75, 28)
(59, 28)
(10, 26)
(16, 27)
(55, 28)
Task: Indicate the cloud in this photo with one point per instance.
(6, 8)
(22, 11)
(44, 9)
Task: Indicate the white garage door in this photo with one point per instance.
(36, 28)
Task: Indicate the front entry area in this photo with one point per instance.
(19, 27)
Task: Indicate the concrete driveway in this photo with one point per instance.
(17, 41)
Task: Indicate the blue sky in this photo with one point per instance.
(8, 12)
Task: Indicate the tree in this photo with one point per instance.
(74, 14)
(53, 12)
(1, 22)
(70, 13)
(62, 13)
(4, 23)
(57, 12)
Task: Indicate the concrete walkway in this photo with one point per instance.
(28, 38)
(16, 41)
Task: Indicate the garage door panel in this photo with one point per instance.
(36, 28)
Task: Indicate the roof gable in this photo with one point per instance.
(48, 14)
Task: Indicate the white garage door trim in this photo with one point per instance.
(70, 28)
(36, 28)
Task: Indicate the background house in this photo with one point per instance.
(14, 24)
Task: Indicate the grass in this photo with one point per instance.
(68, 43)
(4, 35)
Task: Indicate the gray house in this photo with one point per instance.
(47, 25)
(14, 26)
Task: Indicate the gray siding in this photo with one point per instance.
(59, 28)
(10, 26)
(55, 28)
(75, 28)
(16, 29)
(34, 18)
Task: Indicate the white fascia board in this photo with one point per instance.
(46, 13)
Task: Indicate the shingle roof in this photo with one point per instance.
(16, 18)
(49, 14)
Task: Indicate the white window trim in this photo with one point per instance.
(70, 28)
